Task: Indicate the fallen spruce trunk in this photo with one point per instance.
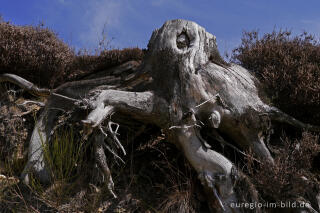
(181, 86)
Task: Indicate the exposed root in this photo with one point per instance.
(31, 88)
(102, 162)
(114, 135)
(211, 181)
(112, 152)
(98, 115)
(95, 120)
(117, 142)
(213, 168)
(277, 115)
(41, 104)
(216, 136)
(28, 86)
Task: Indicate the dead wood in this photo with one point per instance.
(182, 85)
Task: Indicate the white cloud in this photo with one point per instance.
(62, 1)
(100, 15)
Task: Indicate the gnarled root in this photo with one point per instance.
(214, 170)
(277, 115)
(36, 161)
(107, 102)
(101, 160)
(28, 86)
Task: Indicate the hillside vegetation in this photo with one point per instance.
(37, 54)
(288, 67)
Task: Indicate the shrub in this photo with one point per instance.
(38, 55)
(85, 63)
(288, 67)
(34, 53)
(290, 175)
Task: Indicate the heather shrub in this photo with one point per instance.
(85, 63)
(288, 67)
(291, 174)
(34, 53)
(38, 55)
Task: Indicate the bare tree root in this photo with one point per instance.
(181, 86)
(28, 86)
(102, 162)
(278, 115)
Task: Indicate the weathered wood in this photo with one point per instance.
(182, 84)
(28, 86)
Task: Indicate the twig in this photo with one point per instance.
(103, 132)
(199, 105)
(112, 152)
(107, 147)
(24, 113)
(32, 102)
(184, 126)
(114, 136)
(221, 140)
(218, 198)
(64, 97)
(277, 115)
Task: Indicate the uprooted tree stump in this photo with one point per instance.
(181, 86)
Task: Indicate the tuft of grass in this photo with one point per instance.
(64, 155)
(180, 199)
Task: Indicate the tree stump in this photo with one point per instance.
(181, 86)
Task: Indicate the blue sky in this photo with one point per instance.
(129, 23)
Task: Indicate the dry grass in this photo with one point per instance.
(290, 177)
(15, 129)
(181, 196)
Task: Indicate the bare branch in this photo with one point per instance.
(114, 136)
(277, 115)
(113, 152)
(98, 115)
(41, 104)
(23, 114)
(102, 162)
(216, 135)
(30, 87)
(184, 126)
(199, 105)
